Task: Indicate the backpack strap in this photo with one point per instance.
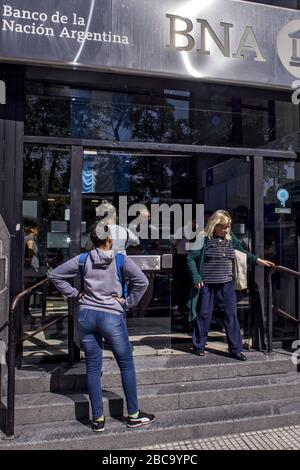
(120, 261)
(127, 238)
(82, 261)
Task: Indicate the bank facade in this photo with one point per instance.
(173, 102)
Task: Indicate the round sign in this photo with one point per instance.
(283, 195)
(288, 47)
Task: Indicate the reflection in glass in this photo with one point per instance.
(214, 181)
(47, 202)
(210, 115)
(141, 179)
(281, 234)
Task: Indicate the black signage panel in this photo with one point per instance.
(226, 40)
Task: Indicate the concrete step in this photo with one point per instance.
(188, 424)
(36, 407)
(145, 341)
(33, 378)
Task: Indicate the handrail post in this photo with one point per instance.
(11, 355)
(71, 351)
(11, 361)
(270, 312)
(10, 415)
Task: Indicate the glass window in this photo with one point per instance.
(144, 178)
(46, 214)
(47, 111)
(281, 235)
(47, 170)
(201, 114)
(294, 4)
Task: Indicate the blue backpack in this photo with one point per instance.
(120, 260)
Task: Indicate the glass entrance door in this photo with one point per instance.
(282, 216)
(146, 186)
(212, 182)
(227, 185)
(46, 222)
(132, 184)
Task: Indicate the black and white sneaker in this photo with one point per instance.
(98, 424)
(141, 420)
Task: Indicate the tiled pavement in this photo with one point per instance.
(287, 438)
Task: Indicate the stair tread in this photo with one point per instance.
(199, 396)
(206, 386)
(75, 430)
(153, 363)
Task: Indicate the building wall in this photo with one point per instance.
(11, 168)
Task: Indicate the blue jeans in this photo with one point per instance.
(225, 297)
(92, 327)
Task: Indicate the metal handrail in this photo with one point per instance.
(272, 308)
(19, 297)
(45, 326)
(11, 359)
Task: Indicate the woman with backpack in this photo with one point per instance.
(102, 315)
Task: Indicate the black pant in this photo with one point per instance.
(182, 281)
(225, 297)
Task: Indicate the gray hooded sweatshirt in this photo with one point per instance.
(101, 282)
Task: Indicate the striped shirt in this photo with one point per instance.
(218, 263)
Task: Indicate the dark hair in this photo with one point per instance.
(100, 228)
(29, 224)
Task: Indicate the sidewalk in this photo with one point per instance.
(287, 438)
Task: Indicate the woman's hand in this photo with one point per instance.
(199, 285)
(81, 294)
(265, 263)
(120, 300)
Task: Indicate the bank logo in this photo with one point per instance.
(288, 47)
(2, 92)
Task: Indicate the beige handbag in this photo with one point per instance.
(240, 270)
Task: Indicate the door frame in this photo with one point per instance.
(257, 157)
(162, 147)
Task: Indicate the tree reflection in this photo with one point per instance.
(46, 170)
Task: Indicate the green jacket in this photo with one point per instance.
(195, 262)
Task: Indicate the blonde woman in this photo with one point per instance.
(211, 270)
